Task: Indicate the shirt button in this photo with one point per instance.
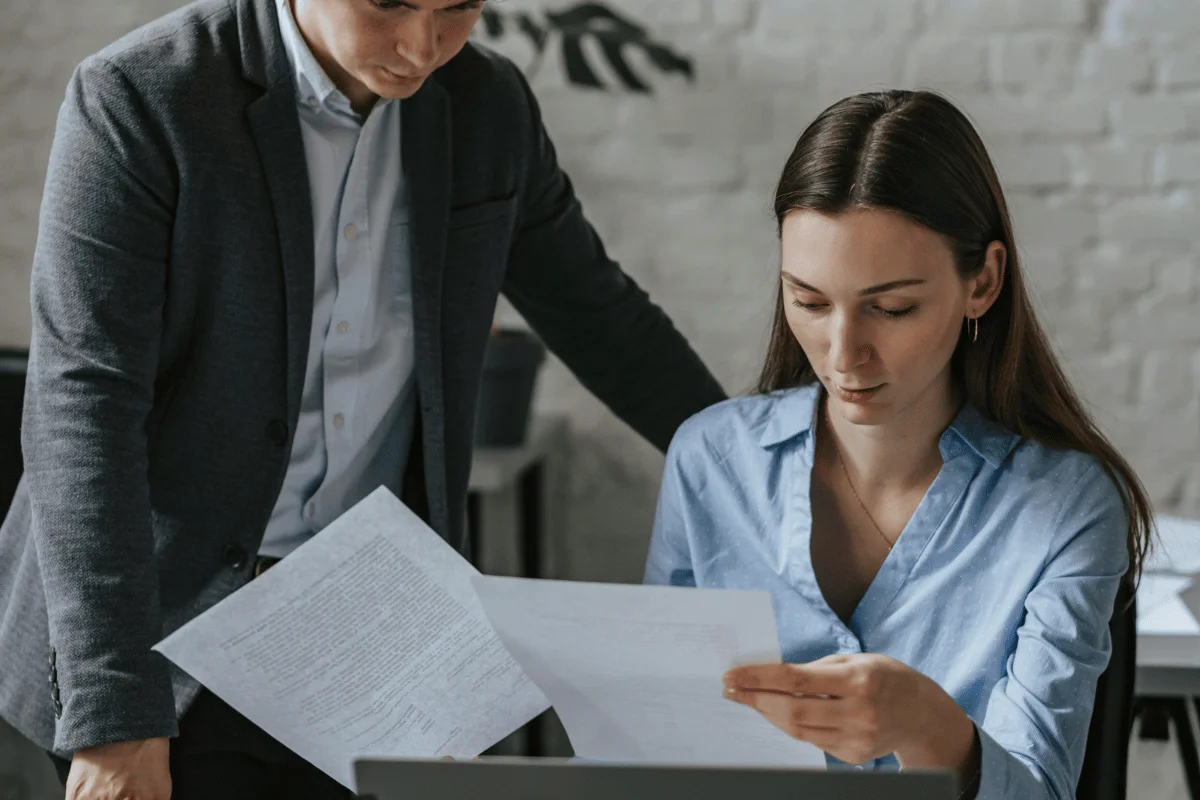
(351, 231)
(343, 327)
(310, 509)
(233, 556)
(339, 420)
(312, 101)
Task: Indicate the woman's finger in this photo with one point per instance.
(841, 745)
(830, 679)
(797, 717)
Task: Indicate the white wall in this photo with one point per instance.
(1091, 110)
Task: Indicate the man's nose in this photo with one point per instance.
(419, 42)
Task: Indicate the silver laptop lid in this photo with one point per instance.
(555, 779)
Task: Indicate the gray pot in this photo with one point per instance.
(510, 367)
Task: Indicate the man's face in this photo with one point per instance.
(384, 48)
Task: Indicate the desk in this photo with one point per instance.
(1168, 666)
(525, 470)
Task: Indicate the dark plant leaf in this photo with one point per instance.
(614, 33)
(493, 23)
(536, 33)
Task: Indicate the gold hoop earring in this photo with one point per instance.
(973, 330)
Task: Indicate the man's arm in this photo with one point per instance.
(98, 289)
(594, 317)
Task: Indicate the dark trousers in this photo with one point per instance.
(221, 754)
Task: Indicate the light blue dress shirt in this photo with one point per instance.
(1000, 587)
(358, 405)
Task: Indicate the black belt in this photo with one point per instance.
(264, 563)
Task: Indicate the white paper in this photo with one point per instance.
(367, 640)
(1171, 617)
(1154, 590)
(1178, 546)
(635, 672)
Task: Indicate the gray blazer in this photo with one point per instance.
(172, 294)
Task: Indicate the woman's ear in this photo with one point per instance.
(985, 287)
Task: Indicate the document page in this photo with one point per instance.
(1161, 609)
(635, 672)
(1178, 546)
(367, 640)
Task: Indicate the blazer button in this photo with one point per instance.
(233, 556)
(57, 709)
(53, 656)
(54, 694)
(277, 433)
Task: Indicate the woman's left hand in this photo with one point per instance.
(858, 708)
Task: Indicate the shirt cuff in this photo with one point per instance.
(996, 778)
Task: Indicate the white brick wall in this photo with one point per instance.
(1090, 111)
(1091, 108)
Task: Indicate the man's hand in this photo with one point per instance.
(138, 770)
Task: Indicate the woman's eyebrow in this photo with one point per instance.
(878, 289)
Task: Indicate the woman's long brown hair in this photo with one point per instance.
(916, 154)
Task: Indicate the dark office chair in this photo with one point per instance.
(1107, 756)
(12, 393)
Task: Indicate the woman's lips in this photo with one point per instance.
(857, 395)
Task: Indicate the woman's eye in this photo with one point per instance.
(808, 306)
(899, 312)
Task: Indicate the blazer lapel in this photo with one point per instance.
(425, 156)
(276, 127)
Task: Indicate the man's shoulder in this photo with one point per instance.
(479, 74)
(175, 50)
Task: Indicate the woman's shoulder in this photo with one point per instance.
(741, 422)
(1071, 492)
(1059, 470)
(1022, 461)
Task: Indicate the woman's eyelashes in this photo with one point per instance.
(892, 313)
(460, 8)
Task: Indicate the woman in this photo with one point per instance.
(941, 526)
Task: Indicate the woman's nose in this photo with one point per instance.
(848, 348)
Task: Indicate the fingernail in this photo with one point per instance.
(730, 691)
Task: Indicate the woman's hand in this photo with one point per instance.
(861, 707)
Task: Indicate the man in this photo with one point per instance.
(271, 244)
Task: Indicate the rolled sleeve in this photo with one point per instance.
(1004, 775)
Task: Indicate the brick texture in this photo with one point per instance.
(1091, 109)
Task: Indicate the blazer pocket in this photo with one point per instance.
(483, 213)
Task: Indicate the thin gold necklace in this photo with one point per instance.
(850, 483)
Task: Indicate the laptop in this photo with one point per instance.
(512, 778)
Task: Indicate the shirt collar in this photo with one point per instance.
(314, 89)
(794, 412)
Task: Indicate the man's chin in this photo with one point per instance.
(398, 88)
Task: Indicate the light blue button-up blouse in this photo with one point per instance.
(1000, 587)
